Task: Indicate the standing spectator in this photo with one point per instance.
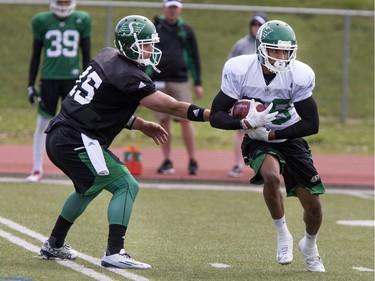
(274, 142)
(180, 55)
(244, 46)
(60, 33)
(97, 109)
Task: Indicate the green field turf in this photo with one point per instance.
(181, 233)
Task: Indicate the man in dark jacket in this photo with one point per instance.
(180, 56)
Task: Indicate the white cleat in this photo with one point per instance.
(35, 176)
(236, 172)
(123, 260)
(64, 252)
(284, 255)
(311, 256)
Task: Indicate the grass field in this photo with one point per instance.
(181, 233)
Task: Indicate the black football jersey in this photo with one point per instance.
(106, 95)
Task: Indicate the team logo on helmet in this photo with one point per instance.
(131, 28)
(266, 31)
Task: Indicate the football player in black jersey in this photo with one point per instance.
(99, 106)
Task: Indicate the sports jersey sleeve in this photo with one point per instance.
(136, 86)
(193, 56)
(85, 26)
(304, 82)
(231, 78)
(37, 26)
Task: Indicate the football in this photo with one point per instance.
(241, 108)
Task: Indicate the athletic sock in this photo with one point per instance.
(281, 227)
(310, 240)
(59, 232)
(116, 239)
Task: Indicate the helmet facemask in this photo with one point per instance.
(276, 35)
(278, 65)
(62, 11)
(146, 57)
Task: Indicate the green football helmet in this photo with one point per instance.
(131, 34)
(279, 35)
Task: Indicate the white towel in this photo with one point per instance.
(159, 85)
(96, 156)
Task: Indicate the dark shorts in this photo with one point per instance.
(294, 156)
(65, 149)
(50, 93)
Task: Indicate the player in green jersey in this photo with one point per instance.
(58, 37)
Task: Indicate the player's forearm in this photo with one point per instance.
(300, 129)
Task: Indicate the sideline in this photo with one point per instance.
(363, 193)
(73, 265)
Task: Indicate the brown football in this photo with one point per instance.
(241, 108)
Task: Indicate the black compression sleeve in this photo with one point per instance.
(308, 125)
(34, 62)
(86, 52)
(219, 116)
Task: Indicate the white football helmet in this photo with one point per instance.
(62, 8)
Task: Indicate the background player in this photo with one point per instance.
(60, 33)
(180, 56)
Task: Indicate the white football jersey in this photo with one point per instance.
(242, 77)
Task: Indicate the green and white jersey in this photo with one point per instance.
(242, 78)
(61, 41)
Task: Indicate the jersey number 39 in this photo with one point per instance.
(62, 43)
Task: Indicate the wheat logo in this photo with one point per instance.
(315, 178)
(129, 29)
(266, 31)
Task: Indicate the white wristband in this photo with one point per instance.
(243, 124)
(130, 122)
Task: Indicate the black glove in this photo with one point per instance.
(32, 94)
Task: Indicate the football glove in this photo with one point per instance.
(32, 94)
(260, 118)
(260, 133)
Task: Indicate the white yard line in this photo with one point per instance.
(220, 265)
(357, 222)
(363, 269)
(32, 248)
(75, 266)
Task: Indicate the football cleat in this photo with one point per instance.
(35, 176)
(311, 256)
(123, 260)
(64, 252)
(284, 255)
(236, 172)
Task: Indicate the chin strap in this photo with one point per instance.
(155, 68)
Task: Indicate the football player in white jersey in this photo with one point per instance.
(273, 144)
